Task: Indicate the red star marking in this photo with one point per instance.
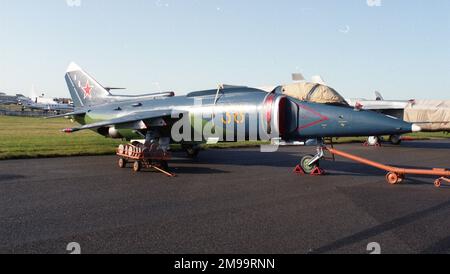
(87, 90)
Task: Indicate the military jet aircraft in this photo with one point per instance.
(9, 99)
(6, 99)
(227, 114)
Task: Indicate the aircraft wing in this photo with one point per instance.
(129, 118)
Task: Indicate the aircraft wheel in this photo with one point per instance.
(164, 165)
(395, 139)
(137, 166)
(304, 163)
(373, 140)
(437, 183)
(393, 178)
(122, 163)
(192, 152)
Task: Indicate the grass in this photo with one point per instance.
(23, 137)
(37, 137)
(430, 135)
(416, 136)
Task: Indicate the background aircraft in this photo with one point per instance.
(46, 107)
(10, 99)
(40, 102)
(37, 103)
(230, 113)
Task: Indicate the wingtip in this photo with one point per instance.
(73, 67)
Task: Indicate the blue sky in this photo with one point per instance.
(401, 48)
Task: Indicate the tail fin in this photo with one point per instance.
(84, 90)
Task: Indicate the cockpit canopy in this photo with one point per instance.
(312, 92)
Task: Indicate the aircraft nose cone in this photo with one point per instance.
(379, 124)
(415, 128)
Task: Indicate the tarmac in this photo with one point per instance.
(230, 201)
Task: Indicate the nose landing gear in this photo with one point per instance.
(310, 164)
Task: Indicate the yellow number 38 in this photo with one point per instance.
(238, 117)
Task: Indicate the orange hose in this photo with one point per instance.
(400, 171)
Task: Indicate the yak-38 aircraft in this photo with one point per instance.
(225, 114)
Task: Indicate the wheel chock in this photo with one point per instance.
(317, 172)
(299, 170)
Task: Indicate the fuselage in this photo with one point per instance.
(249, 114)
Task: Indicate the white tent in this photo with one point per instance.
(432, 115)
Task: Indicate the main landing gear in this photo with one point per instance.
(192, 151)
(375, 141)
(395, 139)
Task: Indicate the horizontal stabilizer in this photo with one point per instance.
(112, 88)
